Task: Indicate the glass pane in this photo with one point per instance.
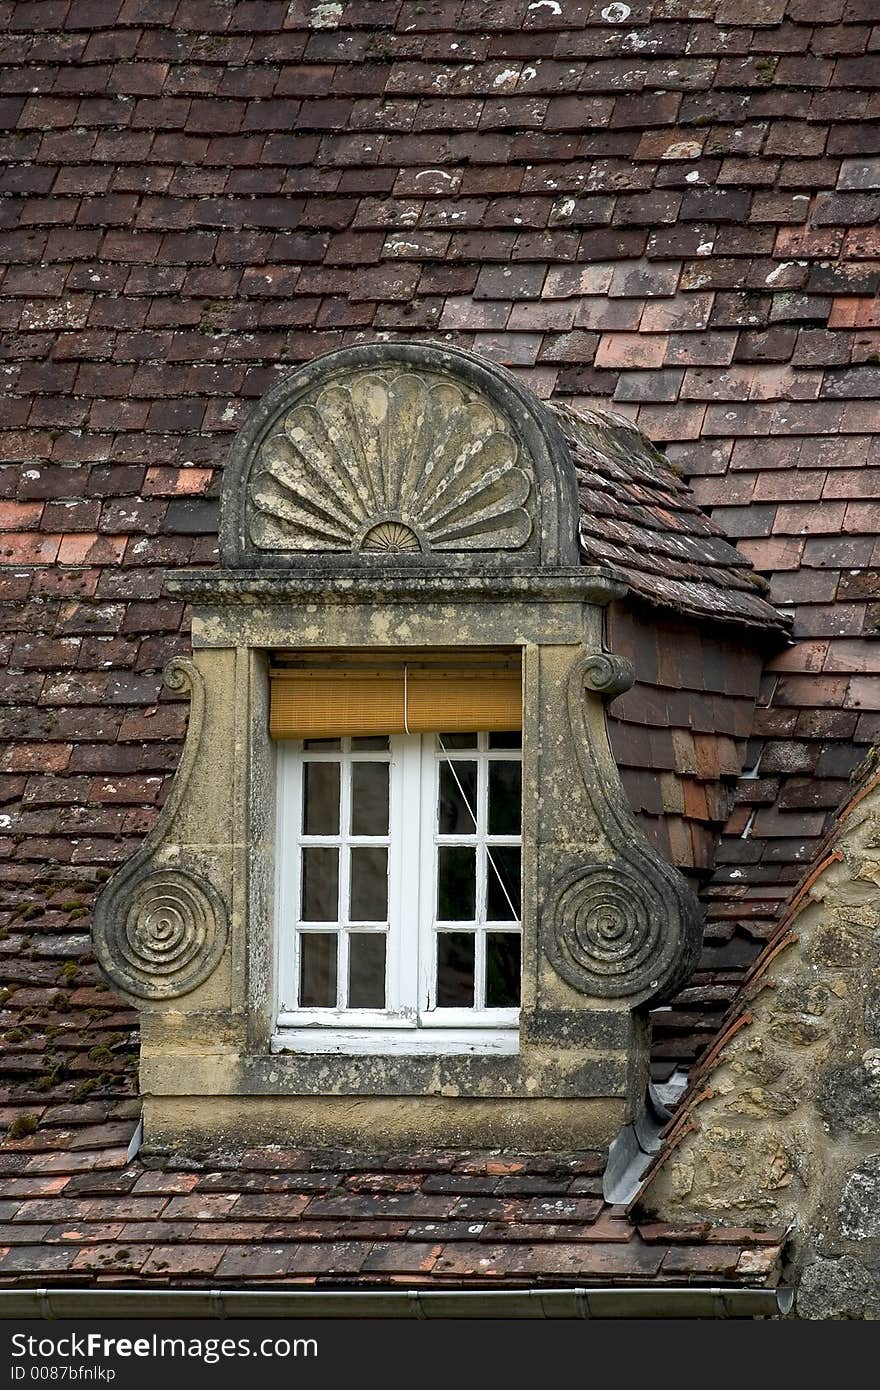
(371, 744)
(322, 745)
(451, 741)
(508, 740)
(502, 970)
(505, 797)
(502, 883)
(317, 970)
(455, 970)
(457, 811)
(366, 970)
(456, 883)
(320, 885)
(321, 799)
(369, 885)
(369, 798)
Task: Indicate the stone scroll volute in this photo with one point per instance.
(160, 929)
(627, 926)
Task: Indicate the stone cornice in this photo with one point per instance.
(398, 585)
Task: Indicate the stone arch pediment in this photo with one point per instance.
(421, 454)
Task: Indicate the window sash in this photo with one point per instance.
(433, 758)
(413, 841)
(291, 842)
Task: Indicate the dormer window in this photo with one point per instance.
(397, 887)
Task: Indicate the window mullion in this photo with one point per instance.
(290, 773)
(344, 880)
(394, 984)
(403, 883)
(482, 876)
(429, 782)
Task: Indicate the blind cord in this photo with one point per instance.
(405, 698)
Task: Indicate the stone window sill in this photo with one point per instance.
(426, 1042)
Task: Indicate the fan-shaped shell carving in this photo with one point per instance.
(379, 450)
(392, 537)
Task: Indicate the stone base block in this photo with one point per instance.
(192, 1124)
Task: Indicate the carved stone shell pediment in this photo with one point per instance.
(391, 461)
(410, 452)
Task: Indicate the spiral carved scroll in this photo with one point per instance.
(611, 931)
(170, 938)
(608, 675)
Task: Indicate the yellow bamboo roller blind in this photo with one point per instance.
(359, 699)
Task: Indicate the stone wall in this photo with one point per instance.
(783, 1127)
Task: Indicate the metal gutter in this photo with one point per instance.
(657, 1302)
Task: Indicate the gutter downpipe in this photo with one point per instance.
(672, 1302)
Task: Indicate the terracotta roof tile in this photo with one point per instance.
(639, 516)
(272, 1216)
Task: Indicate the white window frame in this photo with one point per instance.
(409, 1023)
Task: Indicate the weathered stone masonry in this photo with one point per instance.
(783, 1127)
